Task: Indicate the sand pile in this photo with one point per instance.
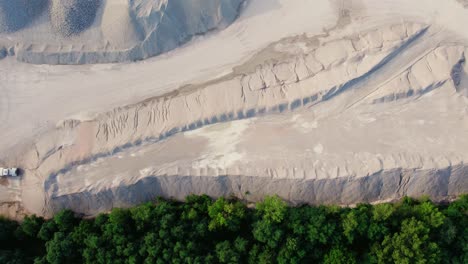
(149, 28)
(198, 14)
(16, 14)
(70, 17)
(183, 17)
(103, 31)
(119, 26)
(169, 23)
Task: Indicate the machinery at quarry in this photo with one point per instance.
(12, 172)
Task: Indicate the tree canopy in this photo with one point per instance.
(203, 230)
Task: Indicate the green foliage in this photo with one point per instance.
(268, 233)
(272, 209)
(382, 212)
(226, 214)
(65, 221)
(226, 253)
(31, 226)
(60, 249)
(202, 230)
(430, 214)
(410, 245)
(339, 256)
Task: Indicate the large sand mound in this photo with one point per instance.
(119, 26)
(102, 31)
(16, 14)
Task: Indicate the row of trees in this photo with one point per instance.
(202, 230)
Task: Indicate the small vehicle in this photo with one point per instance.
(13, 172)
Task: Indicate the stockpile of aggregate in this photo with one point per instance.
(17, 14)
(69, 17)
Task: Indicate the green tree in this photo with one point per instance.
(201, 230)
(268, 233)
(261, 255)
(226, 253)
(312, 229)
(61, 249)
(226, 214)
(430, 214)
(143, 216)
(379, 221)
(47, 231)
(339, 256)
(272, 209)
(291, 251)
(31, 226)
(382, 212)
(65, 221)
(454, 232)
(355, 224)
(410, 245)
(267, 227)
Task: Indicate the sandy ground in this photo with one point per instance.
(62, 92)
(319, 102)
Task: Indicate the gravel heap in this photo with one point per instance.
(17, 14)
(117, 30)
(71, 17)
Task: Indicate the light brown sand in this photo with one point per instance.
(365, 111)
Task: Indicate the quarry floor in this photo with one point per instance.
(349, 136)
